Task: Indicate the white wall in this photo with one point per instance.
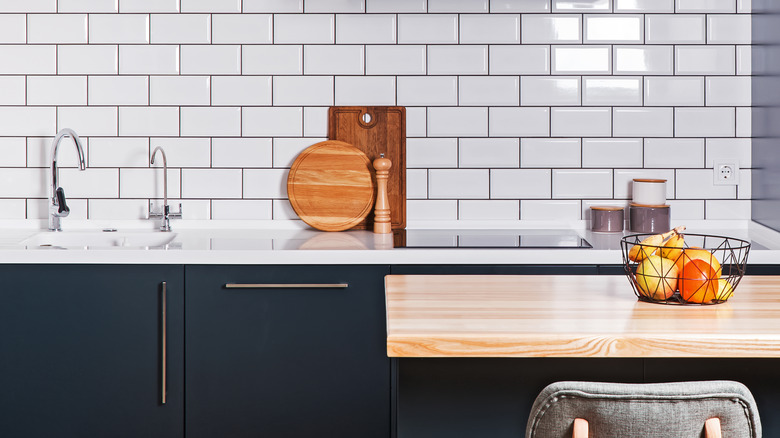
(516, 109)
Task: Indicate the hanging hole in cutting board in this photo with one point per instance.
(367, 120)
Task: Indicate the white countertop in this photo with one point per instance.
(234, 242)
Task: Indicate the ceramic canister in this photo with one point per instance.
(649, 191)
(606, 218)
(648, 218)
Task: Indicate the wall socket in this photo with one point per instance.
(726, 174)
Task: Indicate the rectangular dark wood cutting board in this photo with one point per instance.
(376, 130)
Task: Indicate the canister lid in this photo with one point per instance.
(644, 180)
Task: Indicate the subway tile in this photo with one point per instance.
(624, 180)
(13, 28)
(210, 5)
(57, 28)
(489, 29)
(303, 90)
(737, 150)
(282, 210)
(705, 60)
(27, 121)
(416, 121)
(118, 152)
(650, 60)
(699, 184)
(457, 122)
(479, 210)
(658, 6)
(272, 6)
(181, 28)
(581, 5)
(14, 152)
(183, 152)
(272, 60)
(148, 183)
(9, 6)
(675, 29)
(550, 152)
(416, 183)
(272, 122)
(365, 90)
(91, 6)
(147, 121)
(686, 152)
(727, 209)
(241, 152)
(551, 29)
(520, 183)
(459, 183)
(55, 90)
(211, 183)
(744, 60)
(395, 60)
(241, 90)
(457, 60)
(489, 91)
(304, 29)
(546, 90)
(318, 6)
(704, 122)
(211, 59)
(92, 59)
(544, 210)
(424, 210)
(149, 6)
(114, 209)
(611, 152)
(431, 152)
(118, 90)
(489, 152)
(241, 29)
(581, 60)
(365, 29)
(88, 121)
(613, 29)
(674, 91)
(581, 122)
(315, 121)
(581, 183)
(285, 150)
(39, 208)
(23, 183)
(519, 122)
(119, 28)
(13, 209)
(729, 29)
(39, 152)
(601, 90)
(728, 91)
(516, 59)
(458, 6)
(428, 90)
(333, 60)
(706, 6)
(745, 122)
(643, 122)
(210, 121)
(427, 29)
(745, 186)
(744, 6)
(12, 90)
(244, 209)
(149, 60)
(396, 6)
(498, 6)
(91, 183)
(685, 210)
(180, 90)
(28, 59)
(265, 183)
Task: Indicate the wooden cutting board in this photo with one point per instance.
(331, 186)
(376, 130)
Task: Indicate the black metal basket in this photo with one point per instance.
(711, 280)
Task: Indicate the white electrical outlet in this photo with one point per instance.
(726, 174)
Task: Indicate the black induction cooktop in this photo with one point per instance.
(481, 239)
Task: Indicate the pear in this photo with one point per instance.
(649, 245)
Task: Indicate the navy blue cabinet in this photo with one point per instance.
(286, 351)
(81, 351)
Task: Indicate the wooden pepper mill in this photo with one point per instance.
(382, 211)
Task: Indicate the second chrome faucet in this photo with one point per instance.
(165, 214)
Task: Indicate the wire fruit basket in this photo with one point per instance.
(694, 269)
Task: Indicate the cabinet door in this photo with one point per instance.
(286, 362)
(81, 351)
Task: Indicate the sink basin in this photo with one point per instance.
(100, 240)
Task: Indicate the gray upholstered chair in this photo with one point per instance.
(635, 410)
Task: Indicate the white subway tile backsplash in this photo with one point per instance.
(302, 90)
(28, 59)
(457, 60)
(431, 210)
(624, 181)
(334, 6)
(675, 29)
(180, 90)
(304, 29)
(241, 28)
(148, 121)
(431, 152)
(241, 209)
(239, 90)
(150, 60)
(643, 122)
(476, 210)
(285, 150)
(728, 29)
(519, 5)
(184, 152)
(54, 90)
(28, 6)
(728, 149)
(519, 122)
(148, 183)
(107, 209)
(365, 90)
(744, 122)
(459, 183)
(211, 59)
(149, 6)
(118, 90)
(734, 210)
(315, 121)
(687, 152)
(91, 183)
(57, 28)
(427, 29)
(489, 91)
(520, 184)
(272, 5)
(366, 29)
(39, 208)
(582, 183)
(333, 60)
(650, 60)
(210, 5)
(210, 121)
(272, 122)
(685, 210)
(14, 152)
(706, 6)
(13, 209)
(538, 210)
(211, 183)
(674, 91)
(181, 28)
(515, 59)
(581, 60)
(613, 29)
(265, 183)
(581, 122)
(489, 29)
(611, 152)
(13, 28)
(489, 152)
(39, 152)
(375, 6)
(119, 28)
(416, 183)
(546, 90)
(241, 152)
(416, 122)
(705, 60)
(728, 91)
(658, 6)
(604, 90)
(395, 60)
(118, 152)
(744, 60)
(272, 60)
(24, 183)
(551, 29)
(581, 5)
(458, 6)
(88, 121)
(457, 122)
(745, 187)
(428, 91)
(698, 184)
(550, 152)
(744, 6)
(87, 6)
(12, 90)
(704, 122)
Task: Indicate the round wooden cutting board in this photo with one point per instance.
(330, 186)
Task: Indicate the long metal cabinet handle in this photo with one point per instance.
(286, 285)
(163, 343)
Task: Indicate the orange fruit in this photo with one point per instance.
(689, 254)
(698, 281)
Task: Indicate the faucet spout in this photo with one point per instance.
(58, 208)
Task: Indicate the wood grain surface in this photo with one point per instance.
(572, 316)
(385, 133)
(330, 186)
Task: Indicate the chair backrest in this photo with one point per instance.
(636, 410)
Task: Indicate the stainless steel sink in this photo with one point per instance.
(100, 240)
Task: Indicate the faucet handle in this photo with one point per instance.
(62, 207)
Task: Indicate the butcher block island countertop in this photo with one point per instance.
(572, 316)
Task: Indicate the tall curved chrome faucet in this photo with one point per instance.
(166, 214)
(58, 208)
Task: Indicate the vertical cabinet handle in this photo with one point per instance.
(163, 343)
